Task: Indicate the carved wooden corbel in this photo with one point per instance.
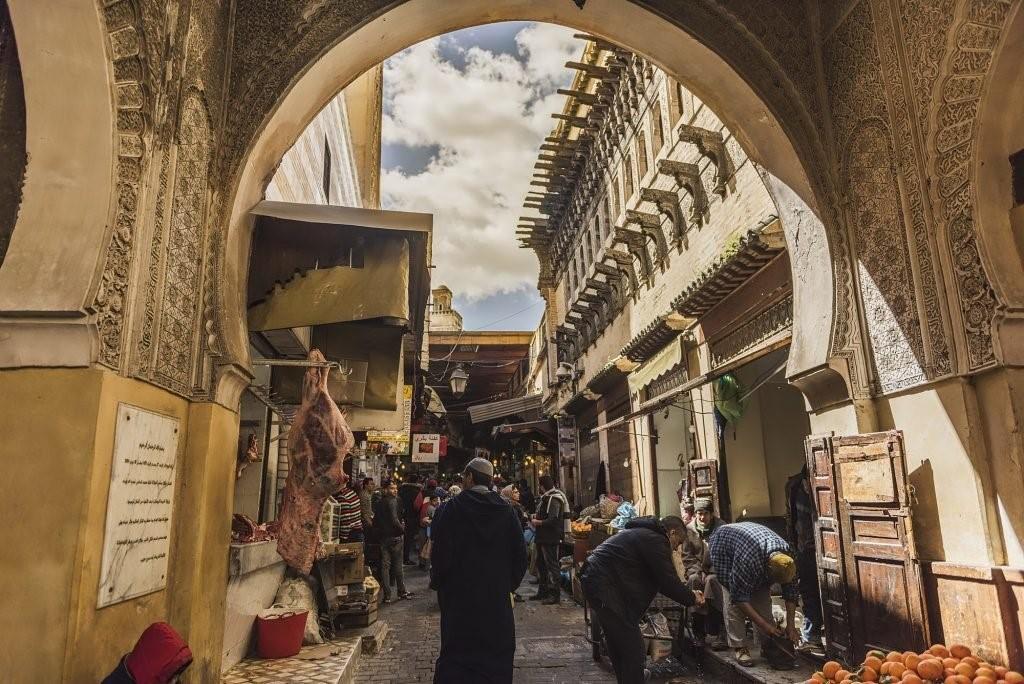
(688, 177)
(650, 225)
(636, 243)
(711, 145)
(668, 204)
(624, 264)
(616, 281)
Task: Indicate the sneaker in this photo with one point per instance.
(743, 657)
(406, 596)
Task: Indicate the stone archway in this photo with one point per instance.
(792, 163)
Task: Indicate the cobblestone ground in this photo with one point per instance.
(550, 644)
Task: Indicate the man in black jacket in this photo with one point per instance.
(620, 579)
(407, 494)
(478, 559)
(389, 528)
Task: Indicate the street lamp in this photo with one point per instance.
(459, 378)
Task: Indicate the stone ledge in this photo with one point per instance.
(246, 558)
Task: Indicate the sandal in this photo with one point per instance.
(743, 657)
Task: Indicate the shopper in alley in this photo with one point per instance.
(748, 559)
(477, 561)
(549, 523)
(390, 530)
(699, 574)
(620, 579)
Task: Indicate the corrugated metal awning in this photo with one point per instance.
(481, 413)
(652, 405)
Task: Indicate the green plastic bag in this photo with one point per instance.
(729, 399)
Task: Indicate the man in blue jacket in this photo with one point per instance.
(620, 579)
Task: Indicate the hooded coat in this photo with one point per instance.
(630, 567)
(478, 558)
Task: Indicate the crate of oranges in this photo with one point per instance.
(939, 664)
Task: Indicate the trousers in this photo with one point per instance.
(547, 568)
(391, 562)
(736, 620)
(625, 645)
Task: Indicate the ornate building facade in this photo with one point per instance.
(886, 133)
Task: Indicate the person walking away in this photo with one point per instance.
(747, 559)
(407, 494)
(549, 526)
(620, 579)
(700, 575)
(390, 530)
(349, 512)
(800, 518)
(477, 561)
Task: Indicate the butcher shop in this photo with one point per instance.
(336, 306)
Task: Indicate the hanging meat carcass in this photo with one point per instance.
(318, 441)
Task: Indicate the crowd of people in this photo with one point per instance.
(477, 537)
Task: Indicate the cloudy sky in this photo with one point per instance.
(464, 116)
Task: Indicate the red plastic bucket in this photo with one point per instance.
(280, 636)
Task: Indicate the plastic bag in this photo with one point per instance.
(296, 595)
(626, 512)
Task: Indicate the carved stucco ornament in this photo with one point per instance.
(636, 243)
(624, 264)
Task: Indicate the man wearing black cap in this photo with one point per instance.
(478, 559)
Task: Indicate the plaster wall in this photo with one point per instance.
(674, 448)
(745, 459)
(300, 177)
(247, 595)
(53, 552)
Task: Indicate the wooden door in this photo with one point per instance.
(828, 546)
(620, 457)
(883, 575)
(702, 474)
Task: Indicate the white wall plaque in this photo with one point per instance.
(139, 505)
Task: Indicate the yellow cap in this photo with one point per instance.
(781, 568)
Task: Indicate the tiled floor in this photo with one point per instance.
(338, 664)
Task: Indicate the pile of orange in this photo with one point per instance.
(953, 665)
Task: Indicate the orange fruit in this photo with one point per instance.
(867, 674)
(970, 659)
(830, 668)
(911, 660)
(930, 669)
(952, 663)
(874, 663)
(984, 680)
(949, 672)
(894, 657)
(820, 676)
(910, 677)
(1012, 677)
(1000, 671)
(959, 651)
(939, 650)
(966, 669)
(957, 679)
(846, 681)
(841, 676)
(897, 669)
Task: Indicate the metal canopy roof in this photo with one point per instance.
(482, 413)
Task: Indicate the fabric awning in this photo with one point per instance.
(652, 405)
(340, 294)
(656, 366)
(481, 413)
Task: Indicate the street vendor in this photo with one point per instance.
(747, 559)
(620, 579)
(700, 575)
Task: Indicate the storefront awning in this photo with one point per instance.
(659, 364)
(544, 430)
(481, 413)
(358, 279)
(652, 405)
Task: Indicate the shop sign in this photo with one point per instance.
(394, 443)
(139, 505)
(567, 443)
(426, 448)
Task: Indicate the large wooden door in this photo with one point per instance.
(883, 574)
(828, 545)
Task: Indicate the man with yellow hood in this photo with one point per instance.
(748, 559)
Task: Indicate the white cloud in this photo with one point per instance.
(488, 120)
